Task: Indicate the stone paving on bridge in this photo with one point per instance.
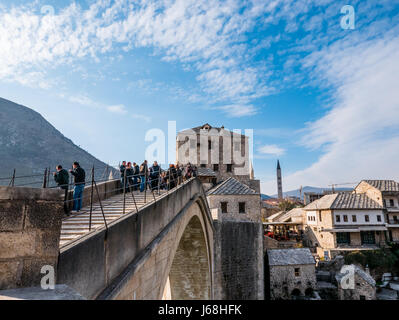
(77, 225)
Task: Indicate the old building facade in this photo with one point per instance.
(386, 194)
(291, 273)
(362, 286)
(226, 153)
(343, 222)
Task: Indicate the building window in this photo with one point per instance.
(367, 218)
(209, 144)
(367, 237)
(379, 218)
(362, 297)
(297, 272)
(315, 229)
(224, 207)
(391, 203)
(337, 218)
(320, 218)
(354, 218)
(343, 238)
(215, 167)
(395, 218)
(203, 165)
(241, 207)
(345, 218)
(229, 168)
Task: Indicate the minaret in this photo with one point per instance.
(279, 181)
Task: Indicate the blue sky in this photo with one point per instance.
(320, 98)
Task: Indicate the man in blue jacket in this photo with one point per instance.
(79, 179)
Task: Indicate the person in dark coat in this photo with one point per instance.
(61, 177)
(129, 176)
(155, 172)
(122, 169)
(136, 175)
(143, 175)
(79, 180)
(171, 176)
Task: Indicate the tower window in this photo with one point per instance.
(354, 218)
(209, 144)
(215, 167)
(379, 218)
(367, 218)
(297, 272)
(224, 207)
(229, 168)
(337, 218)
(241, 207)
(345, 218)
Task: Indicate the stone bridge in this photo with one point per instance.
(163, 250)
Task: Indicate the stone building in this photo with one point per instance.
(343, 222)
(222, 158)
(239, 268)
(207, 177)
(236, 201)
(364, 286)
(291, 273)
(225, 152)
(386, 194)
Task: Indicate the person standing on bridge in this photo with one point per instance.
(136, 174)
(143, 175)
(79, 179)
(155, 171)
(62, 179)
(129, 176)
(122, 169)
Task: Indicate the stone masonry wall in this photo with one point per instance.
(239, 273)
(30, 225)
(252, 206)
(283, 280)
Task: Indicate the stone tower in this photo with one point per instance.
(279, 181)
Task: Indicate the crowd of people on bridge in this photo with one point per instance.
(133, 178)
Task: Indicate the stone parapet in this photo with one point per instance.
(30, 226)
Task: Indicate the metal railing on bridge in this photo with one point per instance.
(152, 181)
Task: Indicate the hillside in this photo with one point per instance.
(297, 193)
(29, 144)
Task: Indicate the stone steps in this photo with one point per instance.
(77, 225)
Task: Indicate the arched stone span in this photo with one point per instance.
(190, 272)
(138, 253)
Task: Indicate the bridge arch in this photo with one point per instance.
(142, 253)
(190, 270)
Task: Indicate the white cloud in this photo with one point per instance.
(141, 117)
(358, 137)
(271, 149)
(206, 36)
(237, 111)
(119, 109)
